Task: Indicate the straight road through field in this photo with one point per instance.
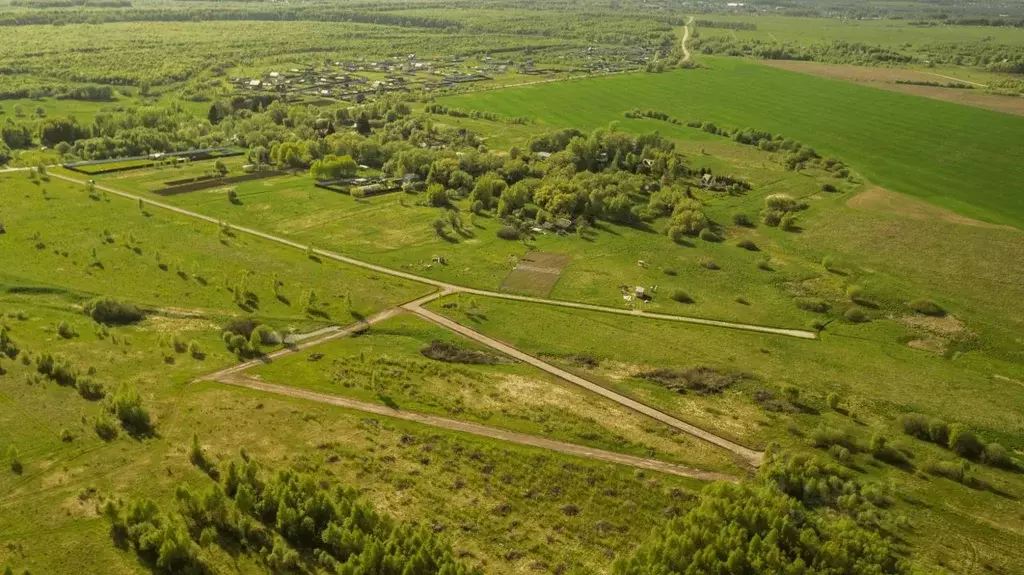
(447, 287)
(480, 430)
(749, 455)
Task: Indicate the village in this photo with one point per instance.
(362, 78)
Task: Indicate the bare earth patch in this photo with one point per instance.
(879, 199)
(885, 78)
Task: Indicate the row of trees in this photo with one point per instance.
(799, 516)
(292, 521)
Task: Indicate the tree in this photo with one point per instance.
(964, 443)
(220, 167)
(436, 195)
(363, 125)
(55, 130)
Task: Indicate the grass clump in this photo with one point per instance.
(681, 296)
(855, 315)
(451, 353)
(508, 233)
(708, 263)
(742, 220)
(747, 245)
(709, 236)
(812, 304)
(927, 307)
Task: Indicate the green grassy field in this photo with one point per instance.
(893, 33)
(384, 365)
(954, 156)
(876, 382)
(505, 508)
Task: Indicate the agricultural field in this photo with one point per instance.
(560, 287)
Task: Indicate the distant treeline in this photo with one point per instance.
(477, 114)
(307, 13)
(959, 85)
(83, 93)
(71, 3)
(998, 22)
(726, 25)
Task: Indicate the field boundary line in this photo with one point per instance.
(751, 456)
(572, 449)
(444, 286)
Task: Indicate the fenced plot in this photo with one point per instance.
(536, 274)
(205, 182)
(109, 166)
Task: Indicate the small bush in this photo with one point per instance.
(709, 236)
(855, 315)
(772, 218)
(915, 425)
(964, 443)
(765, 265)
(126, 405)
(708, 263)
(997, 456)
(957, 471)
(452, 353)
(833, 401)
(681, 296)
(89, 388)
(195, 350)
(938, 432)
(788, 222)
(742, 220)
(812, 304)
(66, 435)
(829, 188)
(113, 312)
(927, 307)
(826, 437)
(65, 330)
(854, 293)
(747, 245)
(669, 272)
(14, 460)
(508, 233)
(105, 428)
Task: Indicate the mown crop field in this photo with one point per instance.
(954, 156)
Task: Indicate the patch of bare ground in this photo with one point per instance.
(881, 200)
(936, 332)
(885, 78)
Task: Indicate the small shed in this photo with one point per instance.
(640, 292)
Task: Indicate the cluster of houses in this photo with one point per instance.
(355, 80)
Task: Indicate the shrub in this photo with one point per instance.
(791, 392)
(783, 203)
(14, 460)
(927, 307)
(747, 245)
(854, 292)
(241, 326)
(233, 197)
(669, 271)
(452, 353)
(855, 315)
(195, 350)
(964, 443)
(812, 304)
(832, 400)
(829, 188)
(111, 311)
(915, 425)
(765, 265)
(957, 471)
(788, 222)
(938, 432)
(508, 233)
(742, 220)
(708, 263)
(681, 296)
(997, 456)
(105, 428)
(772, 218)
(126, 405)
(826, 437)
(66, 435)
(89, 388)
(65, 330)
(709, 236)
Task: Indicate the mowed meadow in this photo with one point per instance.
(962, 158)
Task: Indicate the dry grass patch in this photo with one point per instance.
(881, 200)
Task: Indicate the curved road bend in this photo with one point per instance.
(451, 288)
(481, 430)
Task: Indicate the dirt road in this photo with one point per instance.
(449, 288)
(481, 430)
(750, 456)
(686, 37)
